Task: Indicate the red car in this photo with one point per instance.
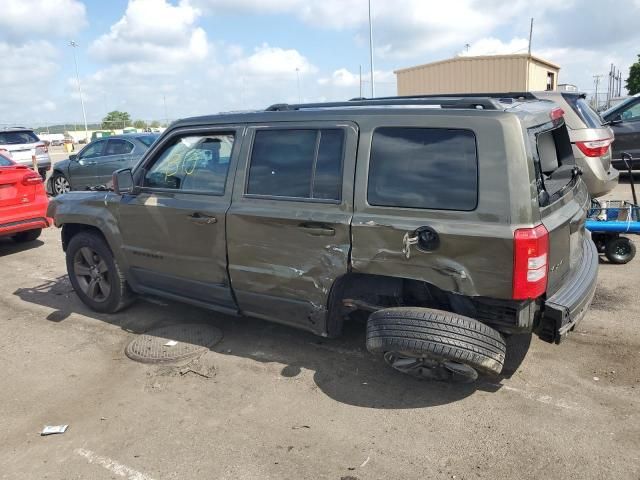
(23, 202)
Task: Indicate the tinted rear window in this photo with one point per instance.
(148, 139)
(5, 162)
(582, 108)
(297, 163)
(423, 168)
(15, 138)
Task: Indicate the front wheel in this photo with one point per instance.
(620, 250)
(59, 184)
(436, 345)
(95, 274)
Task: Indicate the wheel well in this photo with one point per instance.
(356, 295)
(69, 230)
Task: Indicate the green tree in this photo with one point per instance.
(155, 124)
(140, 124)
(116, 119)
(633, 81)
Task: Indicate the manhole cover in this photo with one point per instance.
(173, 343)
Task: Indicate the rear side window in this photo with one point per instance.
(429, 168)
(297, 163)
(584, 111)
(16, 138)
(117, 146)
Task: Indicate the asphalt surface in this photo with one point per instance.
(271, 402)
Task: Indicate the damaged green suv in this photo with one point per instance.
(451, 222)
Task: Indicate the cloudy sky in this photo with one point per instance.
(205, 56)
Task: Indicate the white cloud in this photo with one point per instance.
(154, 31)
(344, 78)
(24, 19)
(26, 71)
(269, 62)
(494, 46)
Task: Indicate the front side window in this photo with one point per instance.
(427, 168)
(93, 149)
(632, 113)
(197, 163)
(297, 163)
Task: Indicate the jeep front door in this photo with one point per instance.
(173, 230)
(288, 228)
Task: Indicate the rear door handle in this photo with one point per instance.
(318, 229)
(200, 219)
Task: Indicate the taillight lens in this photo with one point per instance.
(556, 114)
(31, 178)
(41, 148)
(530, 262)
(595, 148)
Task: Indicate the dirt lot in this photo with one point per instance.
(283, 404)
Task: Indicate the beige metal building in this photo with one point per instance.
(492, 73)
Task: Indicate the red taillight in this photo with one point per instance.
(530, 262)
(31, 178)
(41, 148)
(556, 113)
(595, 148)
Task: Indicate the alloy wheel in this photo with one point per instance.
(429, 367)
(92, 274)
(61, 185)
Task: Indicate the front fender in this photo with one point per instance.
(92, 209)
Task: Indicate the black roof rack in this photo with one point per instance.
(467, 102)
(498, 95)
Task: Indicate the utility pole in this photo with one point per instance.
(73, 45)
(166, 117)
(530, 35)
(360, 94)
(467, 47)
(298, 79)
(596, 81)
(373, 87)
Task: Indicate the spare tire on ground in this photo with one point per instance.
(434, 344)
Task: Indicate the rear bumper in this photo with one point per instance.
(9, 229)
(566, 308)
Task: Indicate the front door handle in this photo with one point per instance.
(318, 229)
(200, 219)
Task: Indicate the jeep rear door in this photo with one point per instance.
(173, 231)
(288, 228)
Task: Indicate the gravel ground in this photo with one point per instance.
(270, 402)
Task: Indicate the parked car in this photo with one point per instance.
(23, 202)
(624, 119)
(438, 222)
(22, 144)
(95, 163)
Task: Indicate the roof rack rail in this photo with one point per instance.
(499, 95)
(475, 102)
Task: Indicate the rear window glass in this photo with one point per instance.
(148, 139)
(428, 168)
(582, 108)
(16, 138)
(297, 163)
(5, 162)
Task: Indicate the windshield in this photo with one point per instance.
(16, 138)
(148, 139)
(582, 108)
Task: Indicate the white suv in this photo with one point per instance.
(22, 144)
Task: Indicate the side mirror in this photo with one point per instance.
(73, 158)
(123, 181)
(616, 120)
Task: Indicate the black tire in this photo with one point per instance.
(435, 334)
(97, 297)
(58, 182)
(28, 236)
(620, 250)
